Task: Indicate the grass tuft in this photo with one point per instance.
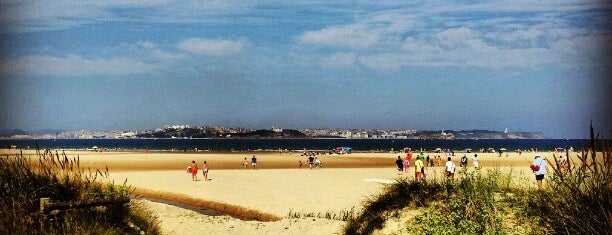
(343, 215)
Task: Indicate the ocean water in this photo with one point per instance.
(295, 144)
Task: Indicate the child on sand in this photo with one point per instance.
(245, 164)
(194, 171)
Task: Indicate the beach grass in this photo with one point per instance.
(343, 215)
(25, 180)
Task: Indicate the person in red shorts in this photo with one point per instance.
(194, 171)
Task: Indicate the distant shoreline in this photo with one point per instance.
(289, 144)
(267, 138)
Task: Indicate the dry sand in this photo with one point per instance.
(277, 187)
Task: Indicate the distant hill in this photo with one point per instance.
(271, 134)
(11, 132)
(46, 131)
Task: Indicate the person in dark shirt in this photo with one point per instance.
(310, 161)
(254, 162)
(400, 164)
(464, 161)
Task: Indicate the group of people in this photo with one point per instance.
(245, 163)
(464, 161)
(538, 166)
(423, 162)
(312, 161)
(403, 166)
(193, 169)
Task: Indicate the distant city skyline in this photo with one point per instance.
(198, 132)
(524, 65)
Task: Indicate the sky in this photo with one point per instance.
(525, 65)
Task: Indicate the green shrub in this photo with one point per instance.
(399, 195)
(471, 208)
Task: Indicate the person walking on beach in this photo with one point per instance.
(450, 168)
(406, 164)
(245, 164)
(205, 171)
(475, 161)
(310, 161)
(464, 161)
(318, 163)
(194, 171)
(418, 169)
(400, 165)
(539, 169)
(423, 174)
(254, 162)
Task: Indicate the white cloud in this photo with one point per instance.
(455, 47)
(158, 54)
(507, 42)
(72, 66)
(148, 45)
(353, 36)
(371, 30)
(212, 47)
(339, 60)
(583, 50)
(60, 14)
(42, 15)
(543, 33)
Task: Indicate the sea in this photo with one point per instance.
(241, 145)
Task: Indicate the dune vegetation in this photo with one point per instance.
(576, 199)
(86, 204)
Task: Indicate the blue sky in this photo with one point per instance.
(525, 65)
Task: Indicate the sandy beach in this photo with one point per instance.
(277, 187)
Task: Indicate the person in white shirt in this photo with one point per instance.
(540, 171)
(475, 160)
(450, 168)
(318, 163)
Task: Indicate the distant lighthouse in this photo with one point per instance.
(506, 130)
